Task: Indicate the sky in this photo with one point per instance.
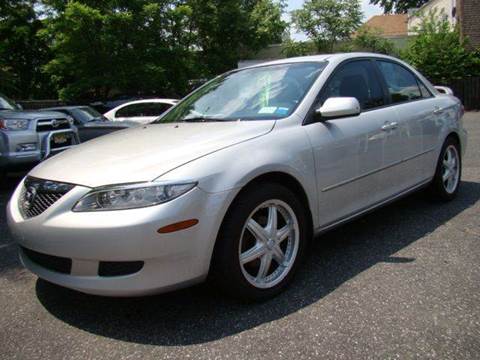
(368, 9)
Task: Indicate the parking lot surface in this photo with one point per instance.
(402, 282)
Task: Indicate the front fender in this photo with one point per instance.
(285, 150)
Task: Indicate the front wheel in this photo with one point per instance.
(448, 174)
(261, 242)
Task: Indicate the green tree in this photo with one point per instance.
(106, 47)
(228, 30)
(291, 48)
(22, 52)
(327, 22)
(440, 53)
(398, 6)
(371, 40)
(102, 48)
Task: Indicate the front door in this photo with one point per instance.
(349, 151)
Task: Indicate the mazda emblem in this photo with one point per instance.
(30, 196)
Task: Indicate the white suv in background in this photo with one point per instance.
(140, 111)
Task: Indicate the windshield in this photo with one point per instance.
(86, 114)
(266, 92)
(6, 103)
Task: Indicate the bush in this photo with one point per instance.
(370, 40)
(440, 53)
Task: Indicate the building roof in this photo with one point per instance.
(389, 25)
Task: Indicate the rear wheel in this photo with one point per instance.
(447, 178)
(261, 242)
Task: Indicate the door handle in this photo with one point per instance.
(438, 110)
(389, 126)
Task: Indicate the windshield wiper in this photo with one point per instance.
(204, 119)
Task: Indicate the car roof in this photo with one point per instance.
(167, 101)
(65, 108)
(333, 58)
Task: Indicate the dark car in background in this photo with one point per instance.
(90, 123)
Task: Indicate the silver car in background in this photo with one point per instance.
(28, 137)
(235, 180)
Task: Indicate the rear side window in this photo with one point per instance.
(143, 109)
(356, 79)
(424, 90)
(402, 84)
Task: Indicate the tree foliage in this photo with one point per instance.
(327, 22)
(371, 40)
(22, 53)
(291, 48)
(398, 6)
(440, 53)
(228, 29)
(140, 48)
(86, 49)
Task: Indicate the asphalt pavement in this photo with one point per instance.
(402, 282)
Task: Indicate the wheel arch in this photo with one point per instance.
(278, 177)
(282, 178)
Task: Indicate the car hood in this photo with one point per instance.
(30, 114)
(110, 124)
(145, 153)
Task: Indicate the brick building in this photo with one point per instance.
(462, 13)
(468, 13)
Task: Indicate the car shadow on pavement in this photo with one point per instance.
(200, 314)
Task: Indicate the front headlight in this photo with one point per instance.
(135, 196)
(14, 124)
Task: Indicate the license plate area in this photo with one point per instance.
(61, 140)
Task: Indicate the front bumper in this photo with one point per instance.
(170, 260)
(11, 157)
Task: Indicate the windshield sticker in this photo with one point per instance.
(282, 111)
(268, 110)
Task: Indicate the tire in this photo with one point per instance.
(3, 178)
(248, 280)
(444, 187)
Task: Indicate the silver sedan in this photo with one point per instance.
(234, 181)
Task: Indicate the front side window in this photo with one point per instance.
(261, 93)
(356, 79)
(402, 84)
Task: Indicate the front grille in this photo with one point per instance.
(50, 262)
(38, 195)
(52, 124)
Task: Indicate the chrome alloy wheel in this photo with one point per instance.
(269, 244)
(451, 169)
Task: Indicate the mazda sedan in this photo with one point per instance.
(234, 181)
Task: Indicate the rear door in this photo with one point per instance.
(405, 153)
(349, 151)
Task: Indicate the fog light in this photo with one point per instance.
(27, 147)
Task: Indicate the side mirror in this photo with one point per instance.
(19, 107)
(338, 107)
